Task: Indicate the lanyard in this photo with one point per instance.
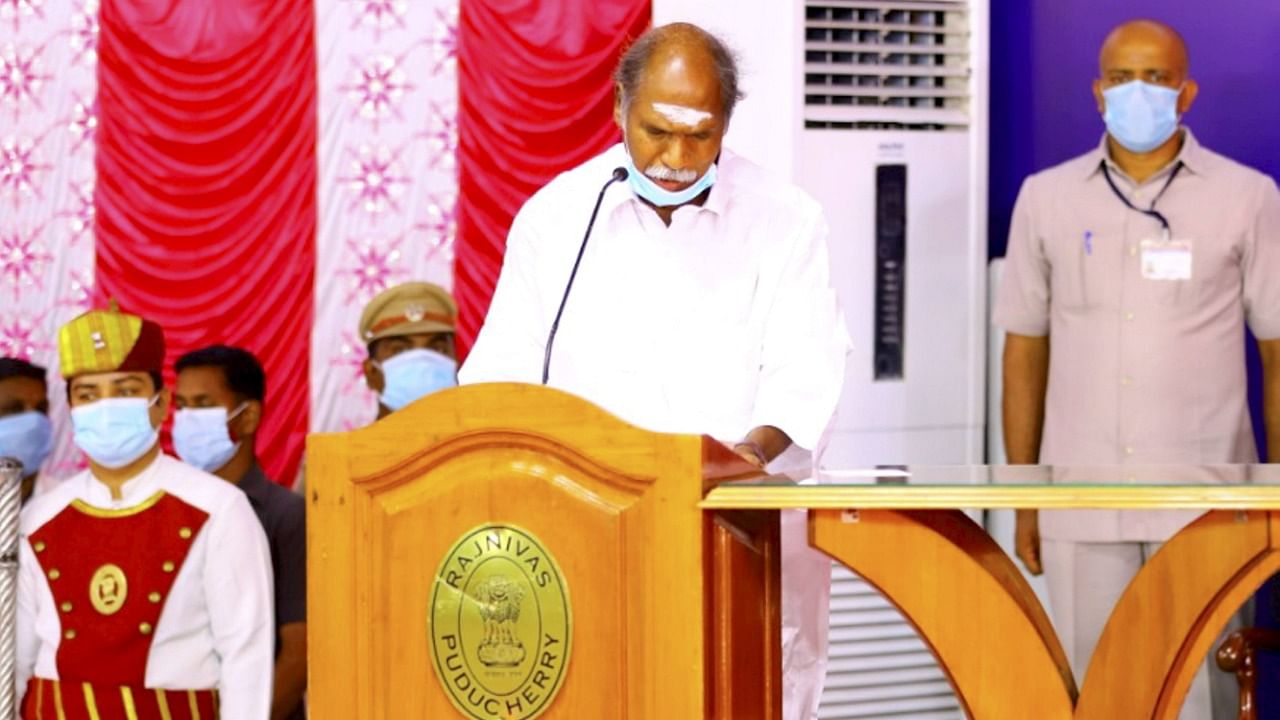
(1151, 211)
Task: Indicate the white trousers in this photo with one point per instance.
(806, 616)
(1085, 582)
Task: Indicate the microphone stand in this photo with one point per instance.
(619, 174)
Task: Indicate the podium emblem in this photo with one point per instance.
(500, 624)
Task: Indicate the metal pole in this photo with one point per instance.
(10, 500)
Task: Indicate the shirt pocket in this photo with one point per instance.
(1214, 270)
(1170, 293)
(591, 360)
(1217, 270)
(1078, 274)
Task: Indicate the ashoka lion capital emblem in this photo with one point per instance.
(499, 601)
(500, 624)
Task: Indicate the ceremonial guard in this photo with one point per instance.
(145, 584)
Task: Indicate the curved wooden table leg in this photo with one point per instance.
(1172, 612)
(966, 599)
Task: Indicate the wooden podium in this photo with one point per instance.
(511, 551)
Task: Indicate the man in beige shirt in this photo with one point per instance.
(1142, 260)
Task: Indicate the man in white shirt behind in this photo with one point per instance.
(701, 303)
(144, 586)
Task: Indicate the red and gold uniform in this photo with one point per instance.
(167, 589)
(155, 604)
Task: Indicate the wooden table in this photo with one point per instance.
(905, 532)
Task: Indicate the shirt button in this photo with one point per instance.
(1128, 315)
(1133, 250)
(1128, 450)
(1126, 380)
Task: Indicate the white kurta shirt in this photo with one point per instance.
(722, 322)
(216, 629)
(719, 323)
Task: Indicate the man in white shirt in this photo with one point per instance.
(701, 303)
(144, 585)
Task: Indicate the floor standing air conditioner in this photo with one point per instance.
(879, 110)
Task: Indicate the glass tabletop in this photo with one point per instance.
(1042, 475)
(1012, 486)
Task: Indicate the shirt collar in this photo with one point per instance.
(718, 199)
(134, 491)
(1191, 156)
(620, 193)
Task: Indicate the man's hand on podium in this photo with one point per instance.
(762, 445)
(752, 453)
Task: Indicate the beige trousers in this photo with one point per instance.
(1085, 582)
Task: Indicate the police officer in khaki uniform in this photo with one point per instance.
(409, 332)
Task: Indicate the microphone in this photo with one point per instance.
(619, 174)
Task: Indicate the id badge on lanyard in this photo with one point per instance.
(1166, 259)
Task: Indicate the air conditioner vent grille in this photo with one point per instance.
(899, 64)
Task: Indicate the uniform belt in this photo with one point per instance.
(68, 700)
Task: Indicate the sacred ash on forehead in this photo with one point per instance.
(681, 115)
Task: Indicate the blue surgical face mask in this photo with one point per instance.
(201, 438)
(659, 196)
(114, 432)
(1141, 116)
(414, 374)
(28, 437)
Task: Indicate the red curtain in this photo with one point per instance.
(206, 206)
(535, 98)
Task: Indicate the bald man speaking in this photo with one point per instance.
(686, 290)
(1131, 271)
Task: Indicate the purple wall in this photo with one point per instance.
(1043, 58)
(1235, 56)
